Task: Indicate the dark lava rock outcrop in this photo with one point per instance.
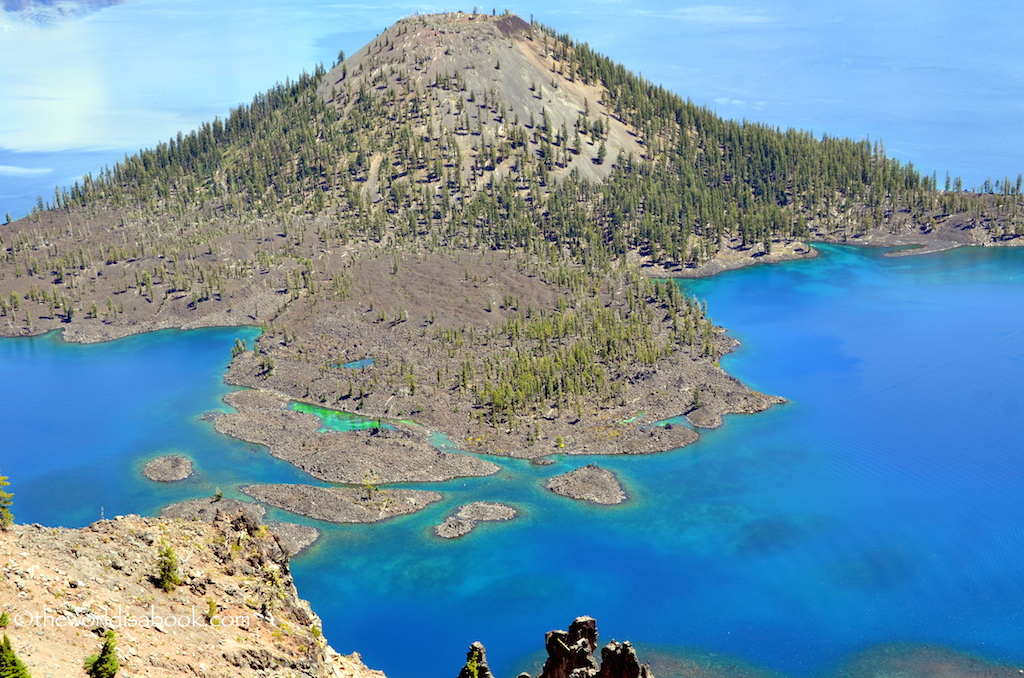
(572, 651)
(571, 655)
(466, 518)
(476, 663)
(168, 469)
(589, 483)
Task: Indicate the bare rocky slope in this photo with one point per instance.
(235, 613)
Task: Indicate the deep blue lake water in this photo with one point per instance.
(882, 503)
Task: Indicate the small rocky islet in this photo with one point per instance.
(466, 517)
(168, 468)
(589, 483)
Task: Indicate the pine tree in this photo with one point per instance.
(6, 517)
(104, 664)
(10, 665)
(167, 569)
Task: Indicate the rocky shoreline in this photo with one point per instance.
(682, 384)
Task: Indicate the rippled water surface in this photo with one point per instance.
(882, 503)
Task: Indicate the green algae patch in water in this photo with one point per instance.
(357, 364)
(336, 420)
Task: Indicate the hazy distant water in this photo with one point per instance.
(883, 502)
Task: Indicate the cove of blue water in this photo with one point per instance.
(883, 502)
(78, 422)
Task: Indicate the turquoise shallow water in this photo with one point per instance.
(882, 503)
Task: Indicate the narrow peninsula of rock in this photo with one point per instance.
(294, 537)
(589, 483)
(168, 469)
(391, 456)
(466, 518)
(342, 504)
(207, 508)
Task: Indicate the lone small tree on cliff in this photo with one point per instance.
(167, 569)
(6, 517)
(10, 665)
(104, 664)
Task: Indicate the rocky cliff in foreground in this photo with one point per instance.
(235, 612)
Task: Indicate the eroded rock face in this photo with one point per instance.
(619, 660)
(295, 538)
(571, 651)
